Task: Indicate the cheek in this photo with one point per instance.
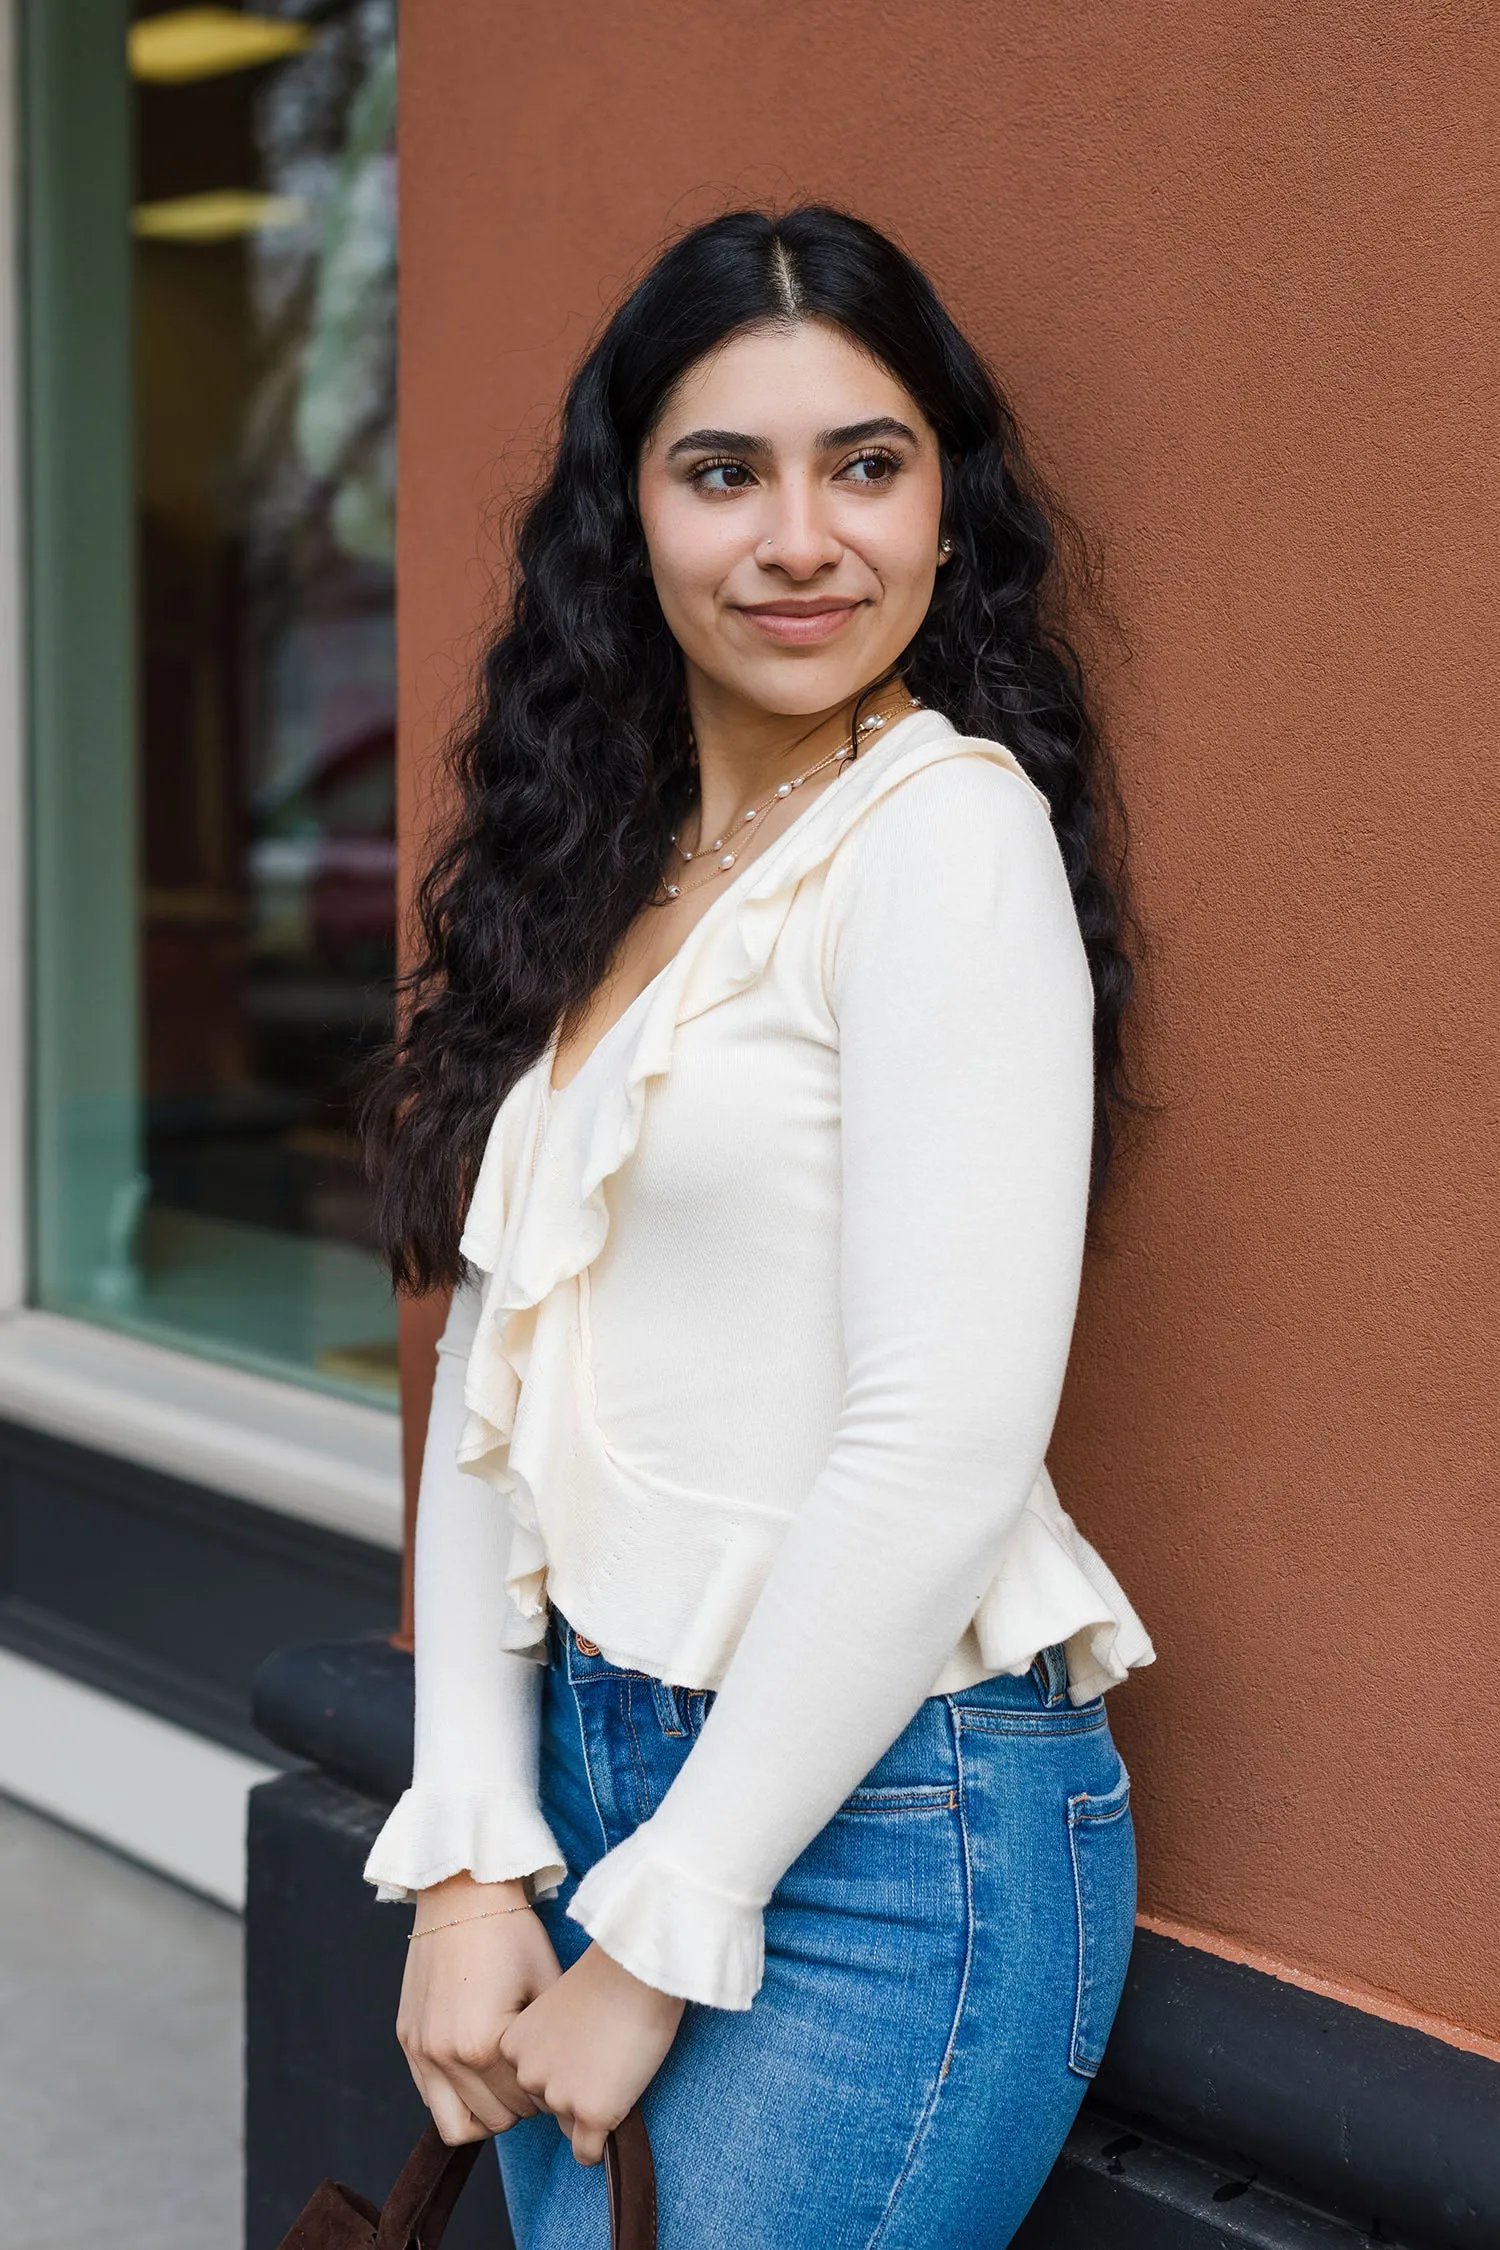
(691, 549)
(907, 558)
(900, 541)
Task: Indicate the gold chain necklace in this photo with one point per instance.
(729, 855)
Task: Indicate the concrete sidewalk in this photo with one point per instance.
(120, 2051)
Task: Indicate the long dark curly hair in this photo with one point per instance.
(576, 759)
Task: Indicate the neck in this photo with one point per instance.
(744, 752)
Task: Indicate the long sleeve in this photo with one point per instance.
(958, 981)
(473, 1803)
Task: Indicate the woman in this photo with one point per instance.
(759, 1064)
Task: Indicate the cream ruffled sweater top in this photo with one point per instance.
(755, 1376)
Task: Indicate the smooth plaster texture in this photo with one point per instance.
(1236, 268)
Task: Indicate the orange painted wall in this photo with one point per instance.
(1237, 269)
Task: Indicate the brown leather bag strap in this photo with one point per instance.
(631, 2179)
(419, 2206)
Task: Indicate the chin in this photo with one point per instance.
(800, 687)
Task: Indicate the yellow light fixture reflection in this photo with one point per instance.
(189, 43)
(217, 217)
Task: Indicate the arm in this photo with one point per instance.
(962, 995)
(469, 1829)
(472, 1805)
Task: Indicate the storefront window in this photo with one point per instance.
(211, 239)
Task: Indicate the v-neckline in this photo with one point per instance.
(553, 1094)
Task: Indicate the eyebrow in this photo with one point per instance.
(717, 441)
(859, 433)
(828, 441)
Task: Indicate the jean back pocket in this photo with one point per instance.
(1101, 1838)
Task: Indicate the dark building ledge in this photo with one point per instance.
(165, 1594)
(1232, 2109)
(343, 1706)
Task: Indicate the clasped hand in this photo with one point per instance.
(494, 2030)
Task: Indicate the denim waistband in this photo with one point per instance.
(581, 1658)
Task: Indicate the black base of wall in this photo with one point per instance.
(1118, 2190)
(1390, 2131)
(1233, 2112)
(328, 2090)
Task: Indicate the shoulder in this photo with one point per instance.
(968, 773)
(962, 812)
(954, 861)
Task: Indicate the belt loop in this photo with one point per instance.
(669, 1710)
(1050, 1671)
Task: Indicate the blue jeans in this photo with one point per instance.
(943, 1964)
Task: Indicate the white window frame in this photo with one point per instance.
(297, 1452)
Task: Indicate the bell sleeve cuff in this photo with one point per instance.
(671, 1929)
(430, 1836)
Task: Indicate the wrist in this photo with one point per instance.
(614, 1975)
(460, 1895)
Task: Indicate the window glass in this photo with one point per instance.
(225, 790)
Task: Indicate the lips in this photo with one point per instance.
(800, 624)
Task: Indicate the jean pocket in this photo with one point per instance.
(1101, 1838)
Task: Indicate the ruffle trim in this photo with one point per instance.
(1051, 1586)
(566, 1146)
(429, 1837)
(670, 1930)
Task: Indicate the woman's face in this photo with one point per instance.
(791, 495)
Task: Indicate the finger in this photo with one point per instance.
(495, 2071)
(455, 2121)
(588, 2143)
(430, 2083)
(507, 2088)
(494, 2106)
(530, 2079)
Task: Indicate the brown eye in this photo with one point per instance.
(734, 475)
(872, 468)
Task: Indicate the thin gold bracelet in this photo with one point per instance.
(487, 1916)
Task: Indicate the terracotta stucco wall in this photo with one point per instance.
(1236, 268)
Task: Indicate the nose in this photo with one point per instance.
(800, 539)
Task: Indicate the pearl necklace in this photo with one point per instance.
(729, 855)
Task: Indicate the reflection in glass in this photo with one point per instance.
(263, 291)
